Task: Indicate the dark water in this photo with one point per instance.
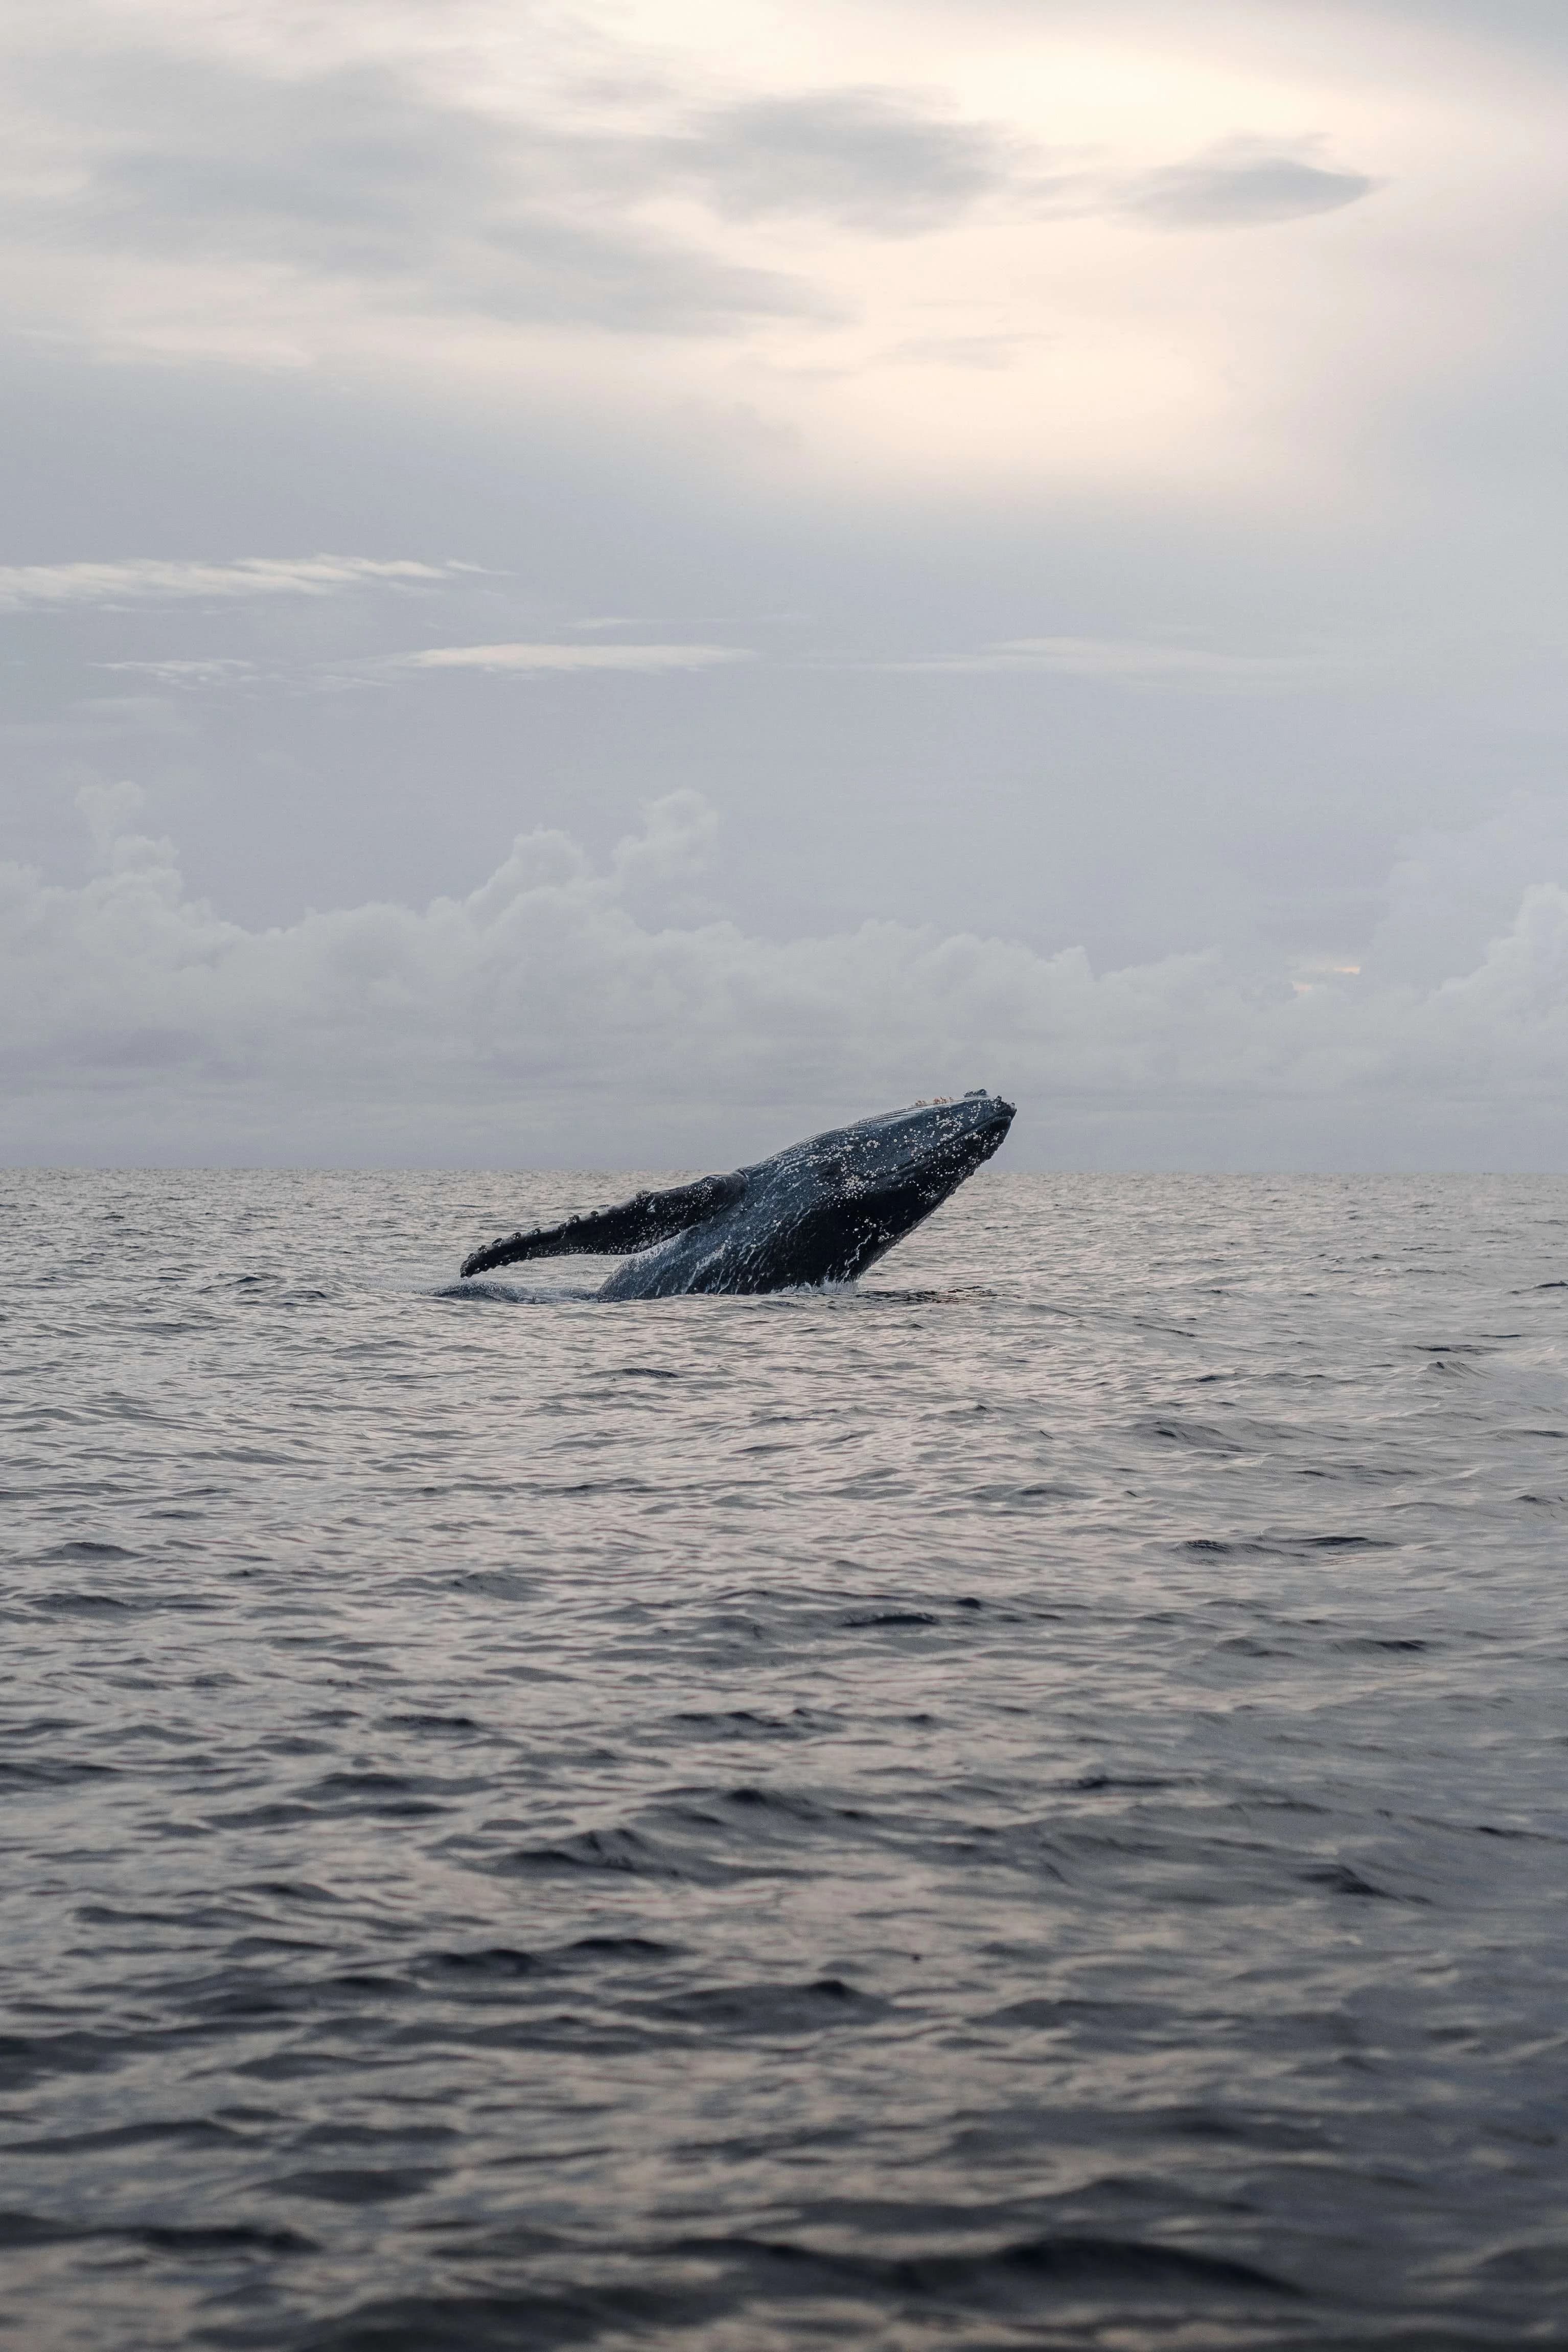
(1023, 1805)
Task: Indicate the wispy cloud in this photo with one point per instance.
(187, 675)
(195, 675)
(523, 658)
(548, 212)
(1243, 183)
(1135, 661)
(364, 177)
(152, 580)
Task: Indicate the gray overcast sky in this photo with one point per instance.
(602, 586)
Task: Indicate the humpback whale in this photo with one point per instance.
(823, 1211)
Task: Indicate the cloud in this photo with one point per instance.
(1451, 892)
(1133, 661)
(1240, 185)
(527, 658)
(870, 159)
(555, 1010)
(265, 208)
(358, 174)
(189, 675)
(150, 580)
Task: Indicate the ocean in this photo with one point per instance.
(1019, 1804)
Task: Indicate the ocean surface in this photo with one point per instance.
(1022, 1804)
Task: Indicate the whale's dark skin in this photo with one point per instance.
(821, 1212)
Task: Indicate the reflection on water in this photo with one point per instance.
(1019, 1804)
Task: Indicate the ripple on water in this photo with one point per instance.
(1020, 1805)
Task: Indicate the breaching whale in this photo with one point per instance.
(821, 1212)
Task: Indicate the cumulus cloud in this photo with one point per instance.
(554, 1012)
(152, 579)
(1451, 892)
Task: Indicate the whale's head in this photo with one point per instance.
(840, 1199)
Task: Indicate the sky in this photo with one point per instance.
(600, 586)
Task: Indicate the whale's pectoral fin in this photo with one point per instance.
(635, 1224)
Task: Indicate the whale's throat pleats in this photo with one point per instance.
(631, 1225)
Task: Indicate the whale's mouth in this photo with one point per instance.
(976, 1127)
(999, 1117)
